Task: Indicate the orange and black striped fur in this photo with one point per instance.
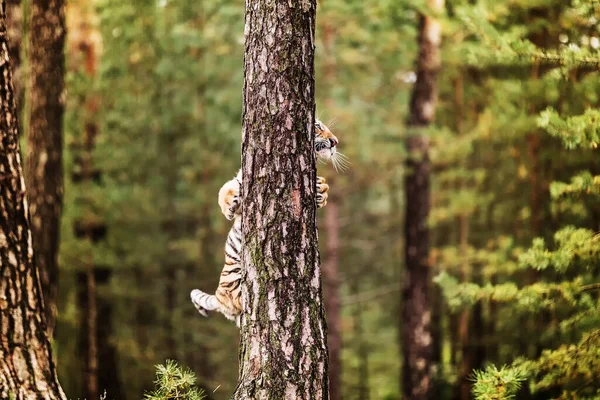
(227, 298)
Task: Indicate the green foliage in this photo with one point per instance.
(174, 382)
(514, 220)
(576, 248)
(522, 252)
(497, 384)
(582, 184)
(531, 298)
(511, 46)
(574, 367)
(577, 131)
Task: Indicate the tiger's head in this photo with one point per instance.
(326, 147)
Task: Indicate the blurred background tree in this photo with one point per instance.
(152, 130)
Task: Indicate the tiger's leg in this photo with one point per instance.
(322, 189)
(207, 302)
(204, 302)
(226, 299)
(229, 197)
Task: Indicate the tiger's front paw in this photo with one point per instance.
(233, 207)
(229, 199)
(322, 189)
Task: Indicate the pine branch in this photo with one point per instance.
(582, 184)
(510, 49)
(497, 384)
(578, 131)
(528, 299)
(572, 367)
(173, 382)
(576, 247)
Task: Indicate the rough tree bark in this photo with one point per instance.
(44, 167)
(27, 370)
(283, 353)
(416, 309)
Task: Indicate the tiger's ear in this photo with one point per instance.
(325, 132)
(317, 126)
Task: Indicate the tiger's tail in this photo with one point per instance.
(204, 302)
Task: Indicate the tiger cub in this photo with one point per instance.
(227, 298)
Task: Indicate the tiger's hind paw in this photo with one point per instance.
(196, 296)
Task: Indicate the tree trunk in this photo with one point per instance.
(108, 366)
(88, 226)
(88, 339)
(362, 382)
(27, 370)
(464, 335)
(332, 299)
(416, 310)
(283, 352)
(44, 169)
(331, 280)
(14, 27)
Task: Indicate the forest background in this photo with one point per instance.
(152, 130)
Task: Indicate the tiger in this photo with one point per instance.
(227, 298)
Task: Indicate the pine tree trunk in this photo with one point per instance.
(416, 307)
(331, 280)
(108, 365)
(44, 168)
(362, 373)
(466, 363)
(26, 367)
(88, 338)
(283, 352)
(332, 299)
(14, 27)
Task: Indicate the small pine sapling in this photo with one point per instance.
(174, 382)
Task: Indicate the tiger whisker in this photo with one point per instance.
(340, 162)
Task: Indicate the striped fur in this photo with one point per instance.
(227, 297)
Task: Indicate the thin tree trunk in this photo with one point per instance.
(199, 359)
(416, 307)
(362, 380)
(478, 335)
(331, 266)
(283, 352)
(172, 263)
(27, 370)
(44, 168)
(14, 27)
(88, 340)
(89, 228)
(108, 371)
(332, 299)
(464, 384)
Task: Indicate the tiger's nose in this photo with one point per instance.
(333, 142)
